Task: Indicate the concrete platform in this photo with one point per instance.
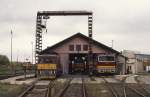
(131, 79)
(76, 80)
(145, 79)
(45, 83)
(95, 81)
(61, 80)
(12, 80)
(120, 77)
(111, 80)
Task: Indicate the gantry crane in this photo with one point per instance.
(42, 16)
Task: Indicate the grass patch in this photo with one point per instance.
(7, 69)
(7, 90)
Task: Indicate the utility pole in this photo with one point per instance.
(33, 66)
(17, 61)
(32, 50)
(11, 49)
(17, 56)
(112, 41)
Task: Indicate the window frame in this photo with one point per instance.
(105, 56)
(71, 47)
(78, 49)
(85, 47)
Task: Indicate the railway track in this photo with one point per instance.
(122, 89)
(111, 88)
(133, 92)
(84, 91)
(73, 89)
(39, 88)
(141, 87)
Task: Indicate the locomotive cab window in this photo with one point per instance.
(106, 58)
(47, 60)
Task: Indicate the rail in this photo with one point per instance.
(84, 92)
(111, 88)
(135, 91)
(62, 91)
(33, 87)
(50, 86)
(23, 94)
(67, 85)
(141, 86)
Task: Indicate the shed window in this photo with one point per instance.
(78, 47)
(85, 47)
(71, 47)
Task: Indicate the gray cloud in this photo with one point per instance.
(124, 21)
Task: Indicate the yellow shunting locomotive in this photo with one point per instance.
(48, 66)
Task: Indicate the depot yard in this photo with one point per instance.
(72, 86)
(77, 67)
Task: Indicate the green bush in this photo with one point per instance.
(4, 60)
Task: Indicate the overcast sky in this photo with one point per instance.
(127, 22)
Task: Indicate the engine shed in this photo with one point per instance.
(75, 49)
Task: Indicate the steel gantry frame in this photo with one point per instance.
(44, 15)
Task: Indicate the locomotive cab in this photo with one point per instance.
(47, 66)
(106, 64)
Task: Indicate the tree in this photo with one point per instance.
(4, 60)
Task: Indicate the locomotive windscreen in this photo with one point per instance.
(104, 58)
(48, 59)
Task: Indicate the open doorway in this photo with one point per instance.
(78, 63)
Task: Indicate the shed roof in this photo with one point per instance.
(81, 36)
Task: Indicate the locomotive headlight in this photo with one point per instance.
(72, 62)
(83, 58)
(75, 58)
